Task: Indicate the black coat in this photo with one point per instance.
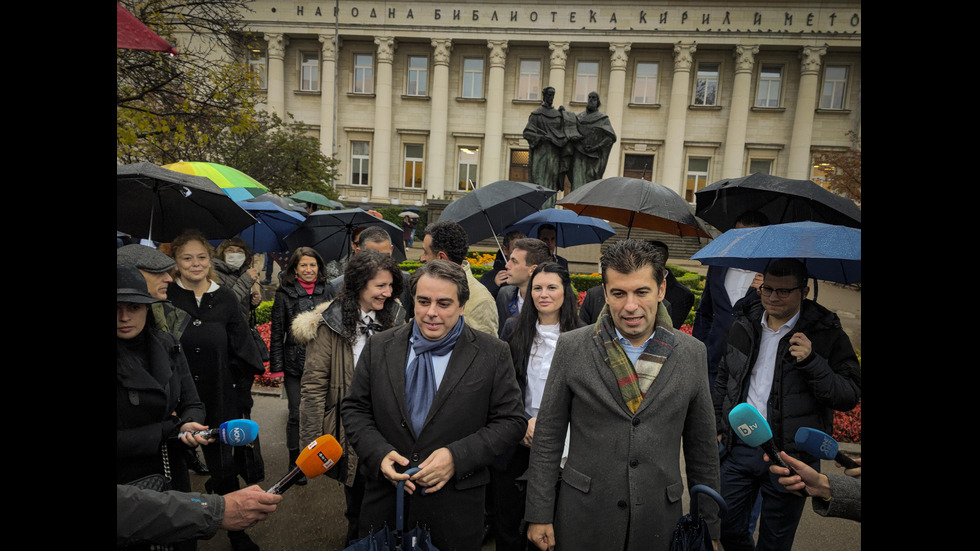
(151, 384)
(291, 299)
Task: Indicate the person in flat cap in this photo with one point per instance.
(156, 398)
(155, 268)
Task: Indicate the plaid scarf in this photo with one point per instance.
(635, 381)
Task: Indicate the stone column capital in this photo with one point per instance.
(745, 58)
(810, 57)
(684, 56)
(443, 47)
(620, 55)
(277, 44)
(498, 52)
(559, 54)
(386, 48)
(329, 48)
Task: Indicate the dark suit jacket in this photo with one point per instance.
(506, 298)
(477, 413)
(714, 317)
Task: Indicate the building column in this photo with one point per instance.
(617, 97)
(276, 89)
(677, 117)
(382, 154)
(328, 98)
(435, 168)
(556, 74)
(739, 116)
(806, 101)
(493, 135)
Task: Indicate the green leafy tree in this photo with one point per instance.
(846, 177)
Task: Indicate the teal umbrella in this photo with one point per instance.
(316, 198)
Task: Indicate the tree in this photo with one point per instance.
(846, 177)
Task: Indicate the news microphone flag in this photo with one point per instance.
(822, 446)
(318, 457)
(753, 429)
(237, 432)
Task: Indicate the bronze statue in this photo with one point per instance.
(591, 153)
(548, 132)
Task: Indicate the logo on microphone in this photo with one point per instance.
(827, 446)
(745, 429)
(237, 435)
(327, 462)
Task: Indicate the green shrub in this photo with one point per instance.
(263, 312)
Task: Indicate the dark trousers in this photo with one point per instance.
(292, 385)
(509, 494)
(743, 475)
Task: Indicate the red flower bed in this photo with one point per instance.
(847, 425)
(266, 379)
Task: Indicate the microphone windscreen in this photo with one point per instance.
(239, 432)
(816, 443)
(749, 425)
(319, 456)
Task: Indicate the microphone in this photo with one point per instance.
(823, 446)
(753, 429)
(315, 459)
(237, 432)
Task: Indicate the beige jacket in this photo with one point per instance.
(481, 308)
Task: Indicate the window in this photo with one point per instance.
(697, 176)
(834, 81)
(529, 79)
(760, 165)
(706, 88)
(770, 77)
(359, 162)
(363, 74)
(309, 72)
(822, 173)
(468, 165)
(413, 166)
(520, 169)
(473, 78)
(418, 76)
(257, 65)
(645, 83)
(586, 80)
(638, 166)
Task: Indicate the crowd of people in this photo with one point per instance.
(533, 421)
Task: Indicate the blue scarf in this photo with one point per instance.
(420, 379)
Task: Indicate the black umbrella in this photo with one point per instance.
(691, 533)
(782, 201)
(330, 232)
(485, 211)
(633, 202)
(416, 539)
(158, 204)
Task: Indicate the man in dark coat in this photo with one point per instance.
(789, 358)
(440, 396)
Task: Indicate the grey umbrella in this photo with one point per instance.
(485, 211)
(158, 204)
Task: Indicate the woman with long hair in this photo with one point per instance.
(532, 335)
(302, 287)
(334, 335)
(220, 352)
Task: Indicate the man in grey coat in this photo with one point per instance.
(629, 389)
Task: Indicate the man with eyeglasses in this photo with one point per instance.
(789, 358)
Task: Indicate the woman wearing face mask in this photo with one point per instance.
(233, 263)
(220, 351)
(334, 335)
(532, 335)
(301, 289)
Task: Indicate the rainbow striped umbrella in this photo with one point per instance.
(235, 183)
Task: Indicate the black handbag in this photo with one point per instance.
(248, 460)
(156, 481)
(259, 341)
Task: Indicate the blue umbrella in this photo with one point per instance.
(572, 228)
(274, 223)
(830, 253)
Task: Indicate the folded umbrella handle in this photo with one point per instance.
(707, 490)
(400, 501)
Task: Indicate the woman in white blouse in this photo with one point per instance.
(532, 335)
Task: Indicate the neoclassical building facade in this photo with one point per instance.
(422, 100)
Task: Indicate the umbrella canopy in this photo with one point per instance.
(158, 204)
(572, 228)
(782, 200)
(416, 539)
(282, 202)
(485, 211)
(408, 213)
(638, 203)
(238, 185)
(830, 253)
(691, 533)
(132, 34)
(330, 232)
(273, 224)
(316, 198)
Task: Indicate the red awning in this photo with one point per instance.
(132, 34)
